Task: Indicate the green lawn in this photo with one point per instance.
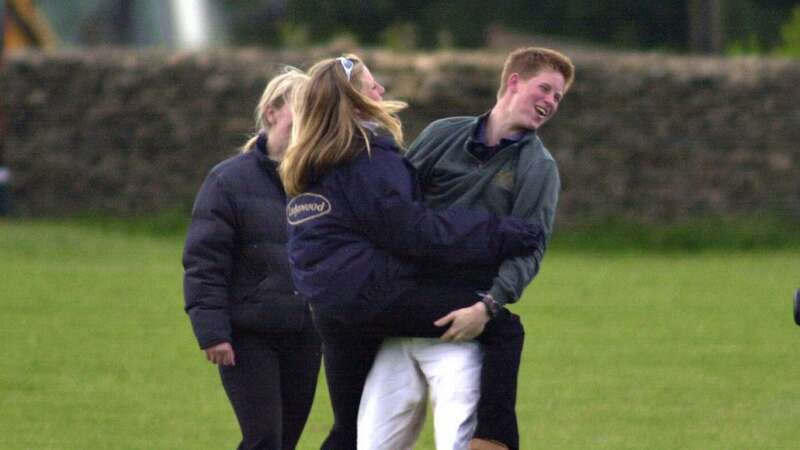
(624, 350)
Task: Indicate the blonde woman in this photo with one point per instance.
(371, 259)
(239, 294)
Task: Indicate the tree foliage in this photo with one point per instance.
(749, 25)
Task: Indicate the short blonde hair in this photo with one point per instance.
(528, 62)
(330, 113)
(277, 93)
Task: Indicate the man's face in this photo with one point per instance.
(535, 100)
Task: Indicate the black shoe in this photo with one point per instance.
(797, 307)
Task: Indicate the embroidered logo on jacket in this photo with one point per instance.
(504, 179)
(307, 207)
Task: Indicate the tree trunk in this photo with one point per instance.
(705, 26)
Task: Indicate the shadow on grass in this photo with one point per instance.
(171, 224)
(692, 235)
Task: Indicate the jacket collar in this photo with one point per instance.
(384, 142)
(260, 152)
(478, 132)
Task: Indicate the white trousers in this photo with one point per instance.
(405, 372)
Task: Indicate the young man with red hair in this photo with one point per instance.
(493, 162)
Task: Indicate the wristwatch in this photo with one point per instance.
(492, 307)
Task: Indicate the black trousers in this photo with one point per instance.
(272, 386)
(349, 350)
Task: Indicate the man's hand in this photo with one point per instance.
(465, 323)
(221, 354)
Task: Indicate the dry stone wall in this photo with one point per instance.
(645, 137)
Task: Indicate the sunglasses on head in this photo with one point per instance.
(347, 65)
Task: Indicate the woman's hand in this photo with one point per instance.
(221, 354)
(465, 323)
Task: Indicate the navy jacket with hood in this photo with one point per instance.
(362, 228)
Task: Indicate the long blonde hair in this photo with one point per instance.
(330, 113)
(277, 93)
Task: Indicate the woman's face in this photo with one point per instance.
(279, 130)
(370, 87)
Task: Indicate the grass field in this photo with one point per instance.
(624, 350)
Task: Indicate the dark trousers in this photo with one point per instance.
(272, 386)
(349, 350)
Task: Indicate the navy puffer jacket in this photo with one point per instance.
(236, 269)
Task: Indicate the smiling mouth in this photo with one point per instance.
(542, 112)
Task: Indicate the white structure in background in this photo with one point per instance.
(191, 23)
(185, 24)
